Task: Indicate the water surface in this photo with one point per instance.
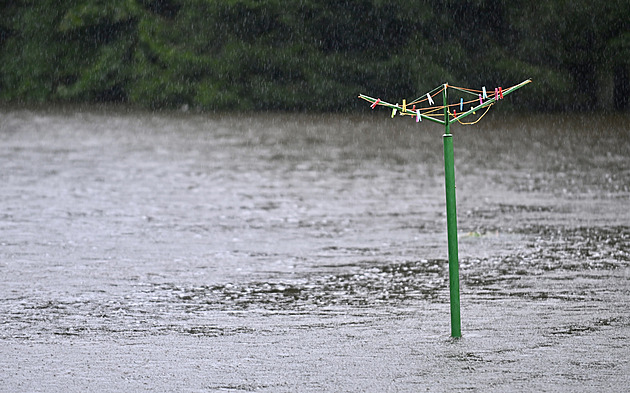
(182, 252)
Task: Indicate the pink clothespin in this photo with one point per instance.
(496, 93)
(480, 99)
(375, 103)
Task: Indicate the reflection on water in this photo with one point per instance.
(138, 224)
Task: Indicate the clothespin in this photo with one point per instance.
(461, 104)
(418, 118)
(414, 108)
(404, 106)
(454, 113)
(430, 99)
(485, 95)
(480, 100)
(375, 103)
(496, 94)
(474, 113)
(394, 111)
(500, 92)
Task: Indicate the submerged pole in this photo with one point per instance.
(451, 222)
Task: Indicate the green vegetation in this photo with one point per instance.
(311, 54)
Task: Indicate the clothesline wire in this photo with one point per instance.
(439, 89)
(473, 122)
(426, 98)
(430, 111)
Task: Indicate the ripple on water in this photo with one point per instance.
(369, 286)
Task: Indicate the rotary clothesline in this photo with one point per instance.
(448, 116)
(437, 113)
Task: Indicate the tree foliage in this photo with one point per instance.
(311, 54)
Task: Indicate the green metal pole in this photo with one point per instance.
(451, 223)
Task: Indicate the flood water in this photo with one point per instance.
(301, 253)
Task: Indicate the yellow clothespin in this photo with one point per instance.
(404, 106)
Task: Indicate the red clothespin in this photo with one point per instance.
(455, 113)
(375, 103)
(500, 92)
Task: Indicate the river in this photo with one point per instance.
(174, 251)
